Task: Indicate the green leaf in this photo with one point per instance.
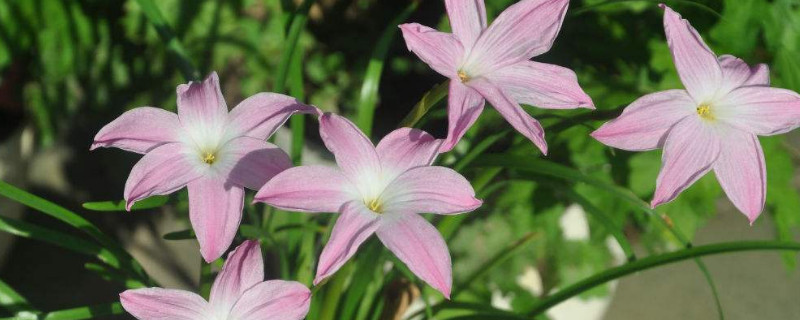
(172, 43)
(88, 312)
(428, 101)
(13, 301)
(187, 234)
(148, 203)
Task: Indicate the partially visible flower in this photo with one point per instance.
(215, 153)
(493, 63)
(713, 124)
(238, 293)
(378, 190)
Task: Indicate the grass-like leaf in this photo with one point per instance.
(149, 203)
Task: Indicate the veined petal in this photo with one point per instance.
(526, 29)
(512, 112)
(420, 246)
(163, 170)
(467, 19)
(542, 85)
(308, 189)
(697, 65)
(441, 51)
(464, 105)
(260, 115)
(243, 269)
(760, 110)
(690, 150)
(158, 303)
(273, 300)
(737, 73)
(644, 124)
(354, 153)
(139, 130)
(355, 225)
(252, 162)
(430, 189)
(741, 172)
(201, 103)
(406, 148)
(215, 210)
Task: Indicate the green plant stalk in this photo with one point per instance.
(80, 313)
(655, 261)
(148, 203)
(494, 261)
(605, 220)
(298, 23)
(368, 96)
(206, 279)
(112, 275)
(13, 301)
(298, 123)
(334, 292)
(172, 43)
(430, 99)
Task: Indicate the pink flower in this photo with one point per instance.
(711, 125)
(239, 292)
(213, 152)
(493, 63)
(378, 190)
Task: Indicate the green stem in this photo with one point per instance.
(206, 279)
(298, 23)
(174, 46)
(430, 99)
(89, 312)
(605, 220)
(494, 261)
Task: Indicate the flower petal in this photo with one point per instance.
(308, 189)
(512, 112)
(760, 110)
(430, 189)
(737, 73)
(273, 300)
(441, 51)
(243, 269)
(464, 105)
(542, 85)
(201, 102)
(406, 148)
(420, 246)
(467, 19)
(526, 29)
(163, 170)
(697, 65)
(158, 303)
(690, 150)
(354, 153)
(355, 225)
(252, 162)
(644, 124)
(741, 172)
(260, 115)
(215, 210)
(139, 130)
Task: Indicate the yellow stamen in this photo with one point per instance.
(209, 158)
(704, 110)
(463, 76)
(374, 205)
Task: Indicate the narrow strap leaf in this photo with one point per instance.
(119, 205)
(430, 99)
(13, 301)
(172, 43)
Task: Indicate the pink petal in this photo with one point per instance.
(354, 152)
(737, 73)
(644, 124)
(420, 246)
(163, 170)
(157, 303)
(690, 150)
(760, 110)
(467, 19)
(430, 189)
(542, 85)
(308, 189)
(243, 269)
(406, 148)
(215, 210)
(526, 29)
(252, 162)
(201, 102)
(697, 65)
(512, 112)
(273, 300)
(260, 115)
(741, 172)
(355, 225)
(441, 51)
(139, 130)
(464, 105)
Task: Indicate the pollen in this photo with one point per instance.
(704, 110)
(463, 76)
(374, 205)
(209, 158)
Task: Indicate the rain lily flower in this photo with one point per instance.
(214, 153)
(378, 190)
(239, 293)
(713, 124)
(493, 63)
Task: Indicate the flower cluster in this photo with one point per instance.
(380, 189)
